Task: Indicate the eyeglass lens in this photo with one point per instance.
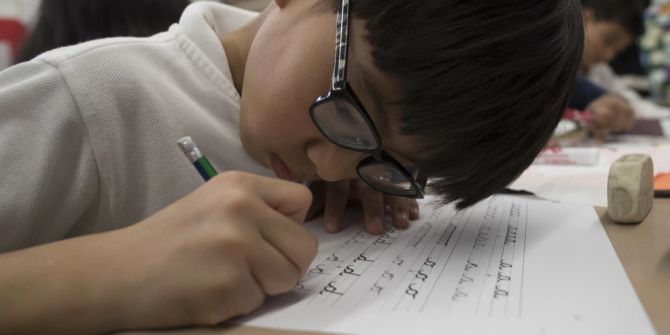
(344, 125)
(387, 177)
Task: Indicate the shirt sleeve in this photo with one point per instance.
(585, 93)
(48, 174)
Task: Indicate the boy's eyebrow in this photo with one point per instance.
(381, 110)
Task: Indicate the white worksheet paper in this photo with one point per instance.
(506, 265)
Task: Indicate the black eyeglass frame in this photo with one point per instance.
(340, 90)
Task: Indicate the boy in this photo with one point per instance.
(449, 90)
(610, 26)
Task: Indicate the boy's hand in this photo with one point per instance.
(333, 198)
(217, 253)
(611, 113)
(214, 254)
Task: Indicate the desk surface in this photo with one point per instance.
(644, 251)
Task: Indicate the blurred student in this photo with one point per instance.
(67, 22)
(628, 62)
(610, 26)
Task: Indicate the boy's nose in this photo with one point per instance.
(332, 162)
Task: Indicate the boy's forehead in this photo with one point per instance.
(618, 37)
(381, 87)
(615, 31)
(382, 94)
(376, 90)
(377, 93)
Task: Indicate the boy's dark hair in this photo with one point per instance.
(485, 83)
(67, 22)
(628, 13)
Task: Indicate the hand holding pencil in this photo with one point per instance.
(610, 113)
(216, 253)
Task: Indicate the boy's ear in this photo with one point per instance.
(281, 3)
(588, 15)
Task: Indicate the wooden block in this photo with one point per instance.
(630, 188)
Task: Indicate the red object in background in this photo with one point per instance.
(583, 118)
(662, 185)
(12, 32)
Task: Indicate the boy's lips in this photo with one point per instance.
(280, 169)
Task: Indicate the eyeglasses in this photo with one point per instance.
(340, 116)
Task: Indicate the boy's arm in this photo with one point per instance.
(64, 287)
(210, 256)
(585, 93)
(49, 174)
(611, 112)
(213, 255)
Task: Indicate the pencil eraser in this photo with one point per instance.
(630, 188)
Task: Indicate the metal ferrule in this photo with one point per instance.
(190, 149)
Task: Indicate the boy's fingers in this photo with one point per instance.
(291, 199)
(318, 189)
(337, 197)
(400, 208)
(602, 123)
(271, 269)
(247, 296)
(414, 210)
(373, 209)
(601, 134)
(603, 117)
(292, 240)
(626, 119)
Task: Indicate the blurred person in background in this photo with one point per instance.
(628, 62)
(611, 26)
(68, 22)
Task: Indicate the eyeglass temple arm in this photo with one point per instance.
(341, 47)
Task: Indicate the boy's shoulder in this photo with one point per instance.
(200, 18)
(220, 17)
(106, 48)
(194, 40)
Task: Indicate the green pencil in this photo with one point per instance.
(199, 160)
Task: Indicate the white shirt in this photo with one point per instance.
(88, 134)
(603, 75)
